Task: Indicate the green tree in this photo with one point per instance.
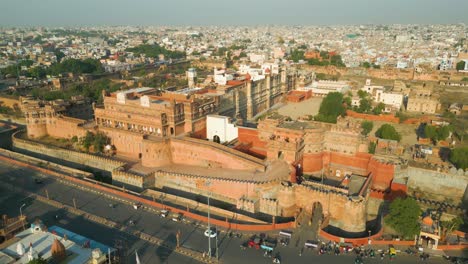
(366, 127)
(331, 107)
(449, 226)
(39, 260)
(430, 132)
(387, 131)
(366, 65)
(37, 72)
(459, 157)
(378, 109)
(59, 55)
(404, 217)
(460, 65)
(87, 140)
(280, 41)
(347, 100)
(100, 141)
(443, 132)
(362, 94)
(337, 61)
(372, 147)
(153, 51)
(365, 105)
(297, 55)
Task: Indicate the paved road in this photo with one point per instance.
(191, 236)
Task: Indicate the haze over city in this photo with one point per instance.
(241, 12)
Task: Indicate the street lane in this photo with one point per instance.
(11, 201)
(191, 236)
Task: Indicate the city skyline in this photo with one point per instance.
(242, 12)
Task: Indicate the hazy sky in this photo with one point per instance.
(232, 12)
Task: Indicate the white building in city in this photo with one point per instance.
(379, 95)
(322, 88)
(220, 129)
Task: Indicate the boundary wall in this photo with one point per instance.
(126, 195)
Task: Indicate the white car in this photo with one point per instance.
(210, 233)
(164, 213)
(177, 217)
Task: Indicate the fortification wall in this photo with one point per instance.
(119, 176)
(223, 189)
(250, 136)
(127, 143)
(312, 162)
(37, 130)
(384, 118)
(126, 195)
(383, 174)
(64, 128)
(42, 163)
(64, 156)
(343, 212)
(333, 161)
(212, 155)
(156, 153)
(440, 186)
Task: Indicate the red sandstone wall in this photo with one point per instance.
(312, 162)
(126, 143)
(383, 174)
(187, 213)
(156, 153)
(62, 128)
(250, 136)
(191, 153)
(231, 189)
(360, 160)
(385, 118)
(298, 96)
(37, 130)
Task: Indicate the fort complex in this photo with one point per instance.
(276, 167)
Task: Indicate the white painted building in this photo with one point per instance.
(222, 79)
(393, 99)
(220, 128)
(322, 88)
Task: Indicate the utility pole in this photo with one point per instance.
(208, 183)
(47, 194)
(217, 255)
(178, 238)
(74, 202)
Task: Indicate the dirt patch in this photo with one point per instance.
(308, 107)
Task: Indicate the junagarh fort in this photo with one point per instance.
(205, 141)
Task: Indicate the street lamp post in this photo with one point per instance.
(369, 240)
(21, 214)
(209, 227)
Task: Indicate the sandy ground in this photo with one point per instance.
(407, 132)
(307, 107)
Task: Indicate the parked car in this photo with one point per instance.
(164, 213)
(284, 237)
(177, 217)
(255, 242)
(210, 233)
(268, 244)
